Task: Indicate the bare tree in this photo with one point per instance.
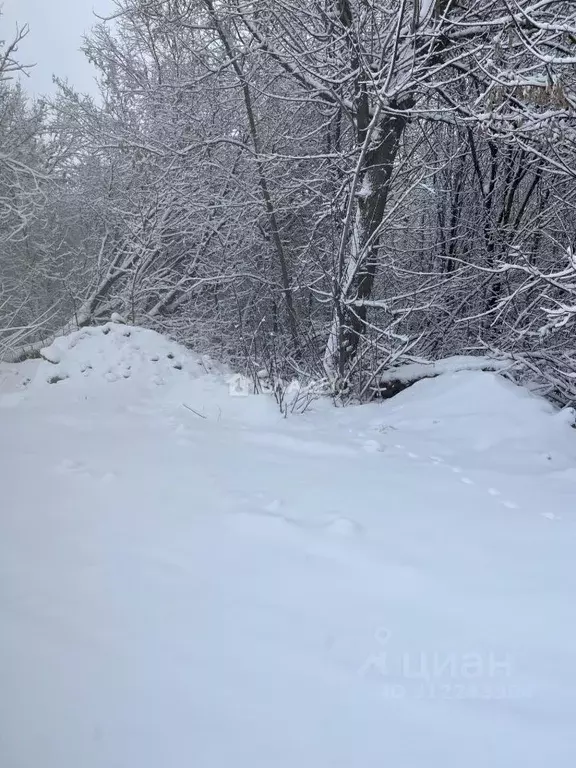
(334, 186)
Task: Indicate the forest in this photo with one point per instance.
(323, 189)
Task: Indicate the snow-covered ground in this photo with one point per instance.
(188, 579)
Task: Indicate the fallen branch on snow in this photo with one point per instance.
(397, 379)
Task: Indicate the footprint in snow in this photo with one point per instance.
(372, 446)
(260, 522)
(70, 466)
(75, 467)
(494, 492)
(344, 527)
(273, 506)
(271, 514)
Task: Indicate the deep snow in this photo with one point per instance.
(188, 579)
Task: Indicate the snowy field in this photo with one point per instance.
(189, 580)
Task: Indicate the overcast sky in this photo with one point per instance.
(56, 29)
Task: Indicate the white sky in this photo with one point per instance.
(56, 29)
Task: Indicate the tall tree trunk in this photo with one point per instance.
(365, 237)
(358, 257)
(378, 137)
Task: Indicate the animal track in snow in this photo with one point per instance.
(70, 466)
(550, 516)
(79, 468)
(273, 506)
(494, 492)
(343, 526)
(372, 446)
(274, 512)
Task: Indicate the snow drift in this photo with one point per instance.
(216, 586)
(115, 351)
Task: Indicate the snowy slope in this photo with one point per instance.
(187, 579)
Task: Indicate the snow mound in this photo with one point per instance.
(414, 371)
(488, 421)
(115, 352)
